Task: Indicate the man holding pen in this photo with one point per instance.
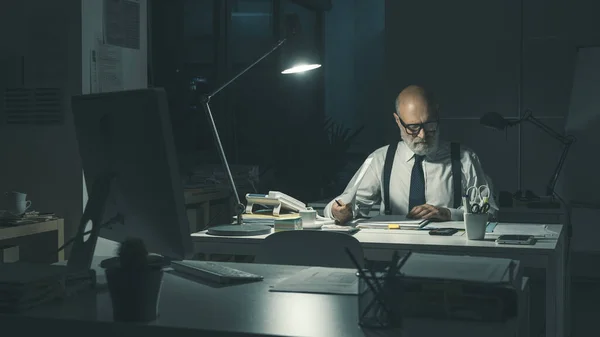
(417, 176)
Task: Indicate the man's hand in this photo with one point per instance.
(342, 213)
(429, 212)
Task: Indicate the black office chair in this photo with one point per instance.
(310, 248)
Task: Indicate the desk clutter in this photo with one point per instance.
(8, 219)
(18, 211)
(284, 213)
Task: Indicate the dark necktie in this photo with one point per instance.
(417, 184)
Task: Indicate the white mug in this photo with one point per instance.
(309, 218)
(475, 225)
(17, 202)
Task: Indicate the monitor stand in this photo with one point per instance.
(83, 249)
(239, 230)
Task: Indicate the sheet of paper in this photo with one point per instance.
(445, 224)
(461, 268)
(121, 24)
(320, 280)
(385, 220)
(109, 62)
(524, 229)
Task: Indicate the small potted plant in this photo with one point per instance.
(134, 280)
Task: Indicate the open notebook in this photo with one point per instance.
(384, 222)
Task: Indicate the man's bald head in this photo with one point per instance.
(417, 117)
(414, 104)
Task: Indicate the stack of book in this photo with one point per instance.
(266, 217)
(288, 224)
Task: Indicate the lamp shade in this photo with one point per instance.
(298, 54)
(298, 59)
(495, 121)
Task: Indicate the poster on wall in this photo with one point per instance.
(122, 23)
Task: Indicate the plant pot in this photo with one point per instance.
(134, 293)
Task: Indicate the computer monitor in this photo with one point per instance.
(129, 134)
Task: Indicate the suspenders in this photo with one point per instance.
(456, 174)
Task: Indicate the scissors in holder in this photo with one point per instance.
(478, 194)
(480, 209)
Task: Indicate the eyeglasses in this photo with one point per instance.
(414, 129)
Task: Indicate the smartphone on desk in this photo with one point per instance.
(516, 239)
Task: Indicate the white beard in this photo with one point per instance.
(423, 147)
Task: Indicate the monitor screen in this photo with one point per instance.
(128, 134)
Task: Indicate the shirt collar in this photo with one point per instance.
(407, 153)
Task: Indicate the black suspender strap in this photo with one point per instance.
(387, 173)
(456, 173)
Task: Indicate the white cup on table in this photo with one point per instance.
(475, 225)
(309, 218)
(17, 203)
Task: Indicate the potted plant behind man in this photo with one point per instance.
(134, 280)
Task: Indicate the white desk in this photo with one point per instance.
(548, 254)
(191, 308)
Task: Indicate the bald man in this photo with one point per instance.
(417, 177)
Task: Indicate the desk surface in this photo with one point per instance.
(187, 306)
(392, 239)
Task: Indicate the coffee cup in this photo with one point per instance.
(17, 203)
(309, 218)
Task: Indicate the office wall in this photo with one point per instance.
(39, 39)
(135, 69)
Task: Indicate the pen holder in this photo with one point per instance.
(379, 301)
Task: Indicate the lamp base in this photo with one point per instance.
(239, 230)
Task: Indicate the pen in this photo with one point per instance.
(338, 203)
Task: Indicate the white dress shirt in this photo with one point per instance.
(438, 181)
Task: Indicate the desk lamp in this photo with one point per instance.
(496, 121)
(293, 66)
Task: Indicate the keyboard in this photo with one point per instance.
(214, 272)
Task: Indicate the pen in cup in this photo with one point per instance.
(338, 203)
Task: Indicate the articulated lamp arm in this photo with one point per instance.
(239, 208)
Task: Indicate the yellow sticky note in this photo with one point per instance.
(392, 226)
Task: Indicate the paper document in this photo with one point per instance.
(320, 280)
(445, 224)
(524, 229)
(460, 268)
(383, 221)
